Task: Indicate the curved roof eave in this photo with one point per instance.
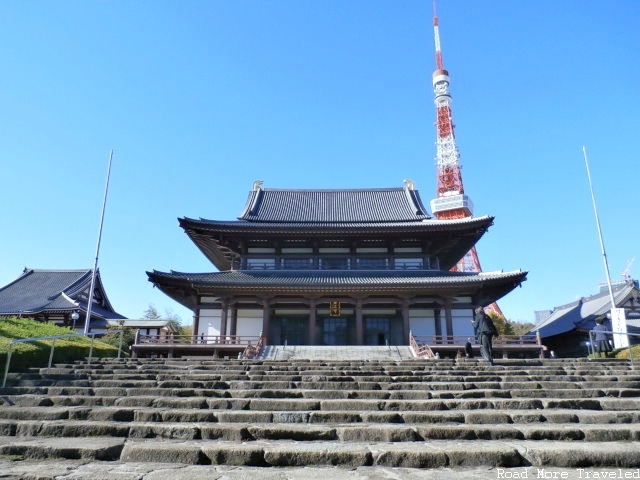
(493, 284)
(243, 226)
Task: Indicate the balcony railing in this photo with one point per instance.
(341, 262)
(196, 339)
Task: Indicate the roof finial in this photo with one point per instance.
(256, 185)
(409, 183)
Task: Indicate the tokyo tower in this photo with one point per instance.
(451, 201)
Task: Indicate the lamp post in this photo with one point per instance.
(75, 316)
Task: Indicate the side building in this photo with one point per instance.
(335, 267)
(58, 296)
(565, 329)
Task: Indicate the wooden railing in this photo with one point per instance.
(252, 350)
(425, 345)
(422, 351)
(196, 339)
(461, 340)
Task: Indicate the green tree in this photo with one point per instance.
(499, 321)
(112, 337)
(152, 313)
(506, 327)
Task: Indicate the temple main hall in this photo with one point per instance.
(334, 267)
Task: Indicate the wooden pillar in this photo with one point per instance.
(437, 314)
(234, 320)
(313, 315)
(405, 321)
(196, 325)
(223, 320)
(448, 320)
(359, 322)
(266, 315)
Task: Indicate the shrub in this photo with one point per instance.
(36, 354)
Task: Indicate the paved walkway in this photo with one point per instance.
(78, 470)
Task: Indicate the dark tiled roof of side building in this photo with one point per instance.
(38, 291)
(372, 205)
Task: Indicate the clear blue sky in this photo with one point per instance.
(198, 99)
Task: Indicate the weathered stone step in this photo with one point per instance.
(424, 367)
(185, 414)
(360, 432)
(577, 368)
(143, 397)
(331, 405)
(430, 454)
(389, 367)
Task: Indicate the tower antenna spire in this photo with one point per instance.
(436, 33)
(451, 202)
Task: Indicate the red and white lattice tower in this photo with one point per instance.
(451, 202)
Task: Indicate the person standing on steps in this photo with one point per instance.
(601, 340)
(485, 331)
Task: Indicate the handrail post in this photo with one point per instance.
(120, 346)
(53, 347)
(93, 336)
(6, 367)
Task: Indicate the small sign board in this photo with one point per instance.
(619, 328)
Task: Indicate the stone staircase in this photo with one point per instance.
(351, 352)
(413, 413)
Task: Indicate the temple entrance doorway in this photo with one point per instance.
(377, 331)
(289, 331)
(337, 331)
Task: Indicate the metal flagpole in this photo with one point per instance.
(95, 265)
(618, 317)
(604, 254)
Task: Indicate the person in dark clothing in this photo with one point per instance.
(468, 349)
(485, 331)
(601, 343)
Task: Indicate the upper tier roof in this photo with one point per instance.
(395, 215)
(274, 205)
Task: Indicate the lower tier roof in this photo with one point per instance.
(483, 287)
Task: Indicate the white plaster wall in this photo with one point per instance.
(209, 321)
(422, 322)
(461, 320)
(249, 323)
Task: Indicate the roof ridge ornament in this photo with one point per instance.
(409, 184)
(256, 185)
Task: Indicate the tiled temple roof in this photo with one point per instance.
(37, 291)
(334, 206)
(582, 313)
(487, 286)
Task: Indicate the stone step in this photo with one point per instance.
(317, 413)
(323, 383)
(423, 366)
(285, 453)
(360, 432)
(150, 397)
(186, 413)
(330, 405)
